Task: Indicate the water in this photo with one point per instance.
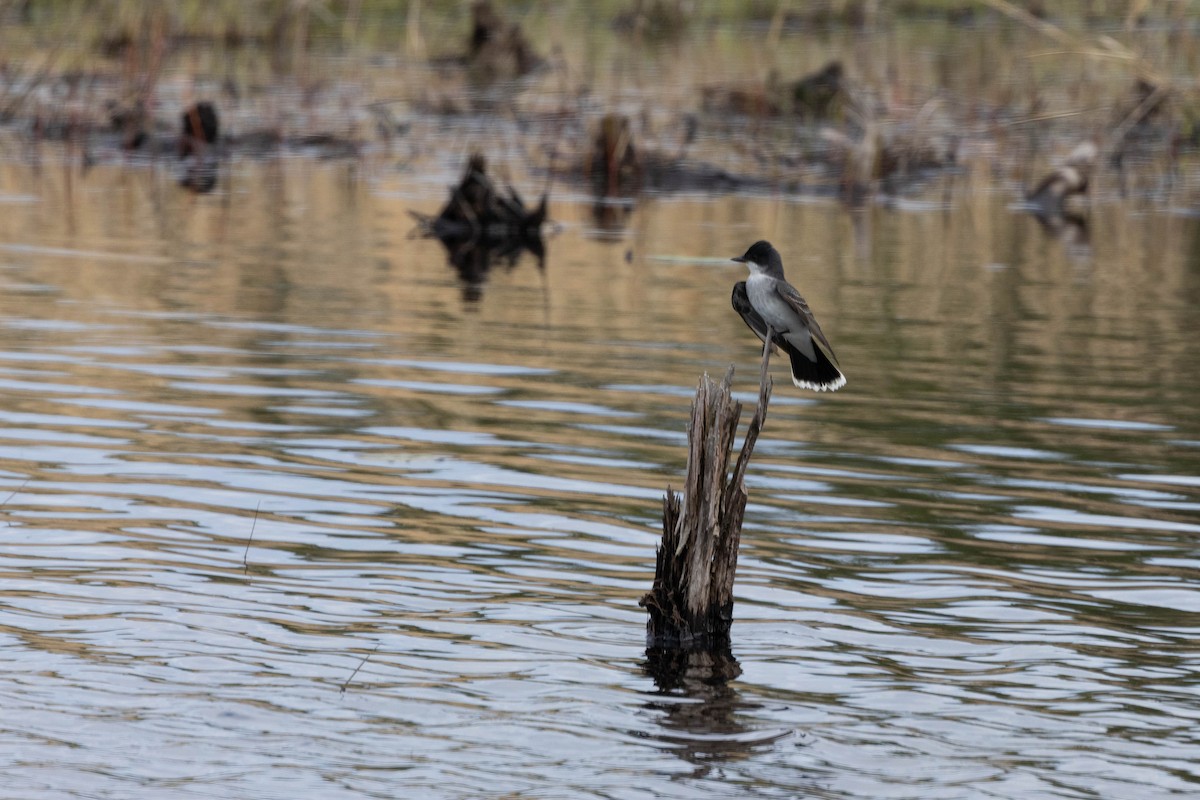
(288, 517)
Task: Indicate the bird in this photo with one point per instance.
(766, 301)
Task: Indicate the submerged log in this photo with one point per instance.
(656, 20)
(690, 605)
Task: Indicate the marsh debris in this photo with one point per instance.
(495, 49)
(498, 48)
(614, 171)
(617, 168)
(481, 226)
(1055, 201)
(130, 121)
(886, 160)
(1069, 179)
(818, 96)
(478, 211)
(655, 20)
(487, 75)
(762, 135)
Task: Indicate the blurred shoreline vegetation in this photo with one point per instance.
(372, 23)
(922, 74)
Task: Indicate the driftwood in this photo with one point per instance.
(690, 605)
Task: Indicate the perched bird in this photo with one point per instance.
(766, 301)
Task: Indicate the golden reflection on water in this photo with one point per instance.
(968, 300)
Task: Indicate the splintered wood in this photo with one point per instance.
(691, 602)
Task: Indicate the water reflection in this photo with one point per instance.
(704, 718)
(1068, 228)
(473, 260)
(610, 217)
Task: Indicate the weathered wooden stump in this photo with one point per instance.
(691, 602)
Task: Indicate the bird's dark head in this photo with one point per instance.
(762, 257)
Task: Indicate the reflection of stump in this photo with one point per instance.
(691, 602)
(692, 671)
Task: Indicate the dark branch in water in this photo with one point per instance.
(356, 669)
(246, 552)
(14, 493)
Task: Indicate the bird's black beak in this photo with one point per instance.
(739, 259)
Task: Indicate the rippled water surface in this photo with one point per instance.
(287, 516)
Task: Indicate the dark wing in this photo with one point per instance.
(741, 304)
(800, 306)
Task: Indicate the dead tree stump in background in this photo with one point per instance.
(691, 602)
